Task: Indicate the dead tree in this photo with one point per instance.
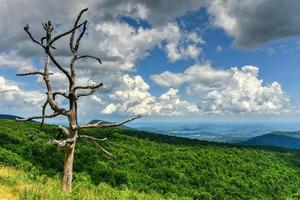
(74, 92)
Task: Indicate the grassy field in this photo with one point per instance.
(17, 184)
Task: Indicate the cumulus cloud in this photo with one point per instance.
(200, 78)
(244, 20)
(13, 98)
(253, 23)
(121, 46)
(133, 97)
(103, 16)
(126, 44)
(12, 61)
(228, 91)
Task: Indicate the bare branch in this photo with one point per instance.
(43, 119)
(39, 117)
(65, 33)
(33, 73)
(50, 96)
(89, 86)
(92, 138)
(108, 125)
(80, 36)
(88, 56)
(104, 150)
(43, 114)
(61, 94)
(64, 130)
(61, 68)
(59, 143)
(27, 29)
(73, 32)
(63, 143)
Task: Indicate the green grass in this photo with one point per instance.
(18, 184)
(156, 165)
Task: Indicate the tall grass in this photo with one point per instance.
(19, 184)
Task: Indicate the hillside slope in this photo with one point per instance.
(289, 140)
(177, 168)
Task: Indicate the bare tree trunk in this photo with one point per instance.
(69, 152)
(68, 168)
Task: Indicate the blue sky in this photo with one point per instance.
(164, 61)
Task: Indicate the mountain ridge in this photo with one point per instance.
(290, 140)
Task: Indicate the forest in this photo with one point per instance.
(146, 166)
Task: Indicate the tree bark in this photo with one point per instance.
(68, 168)
(69, 152)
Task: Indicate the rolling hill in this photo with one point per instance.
(149, 166)
(4, 116)
(289, 140)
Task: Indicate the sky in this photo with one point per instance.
(193, 60)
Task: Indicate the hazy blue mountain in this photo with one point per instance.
(289, 140)
(230, 132)
(4, 116)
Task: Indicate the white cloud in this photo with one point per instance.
(128, 44)
(169, 79)
(133, 97)
(14, 99)
(110, 108)
(228, 91)
(121, 46)
(199, 77)
(170, 103)
(13, 61)
(96, 99)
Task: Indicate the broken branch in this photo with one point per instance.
(39, 117)
(92, 138)
(108, 125)
(73, 32)
(33, 73)
(88, 86)
(88, 56)
(27, 29)
(104, 150)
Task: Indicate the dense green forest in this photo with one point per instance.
(156, 165)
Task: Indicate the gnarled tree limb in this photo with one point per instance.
(92, 138)
(39, 117)
(63, 143)
(27, 29)
(108, 125)
(73, 32)
(80, 36)
(61, 94)
(64, 130)
(104, 150)
(88, 56)
(65, 33)
(88, 87)
(33, 73)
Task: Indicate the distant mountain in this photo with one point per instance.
(289, 140)
(4, 116)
